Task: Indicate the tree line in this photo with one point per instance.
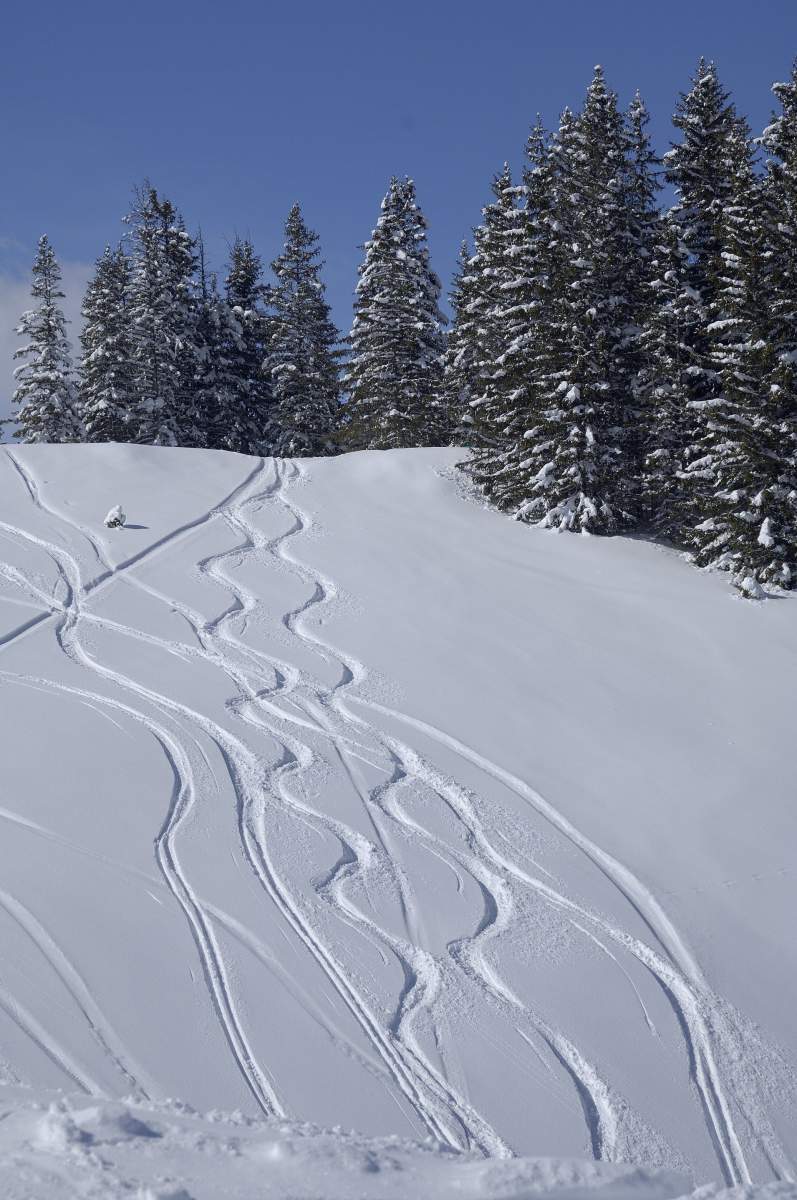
(610, 365)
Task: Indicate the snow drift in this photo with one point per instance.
(335, 800)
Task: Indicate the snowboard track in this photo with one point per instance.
(264, 686)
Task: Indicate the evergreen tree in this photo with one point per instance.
(577, 466)
(645, 233)
(460, 358)
(701, 169)
(107, 391)
(217, 335)
(746, 448)
(672, 364)
(247, 421)
(396, 341)
(502, 310)
(163, 319)
(45, 394)
(302, 355)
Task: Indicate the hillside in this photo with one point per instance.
(333, 799)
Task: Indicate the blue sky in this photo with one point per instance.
(236, 110)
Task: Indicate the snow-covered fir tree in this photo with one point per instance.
(396, 341)
(745, 451)
(700, 167)
(577, 467)
(780, 214)
(302, 349)
(163, 315)
(45, 397)
(645, 234)
(503, 312)
(460, 357)
(246, 426)
(672, 361)
(107, 390)
(217, 334)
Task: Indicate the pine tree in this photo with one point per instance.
(577, 459)
(107, 391)
(396, 341)
(246, 425)
(163, 325)
(302, 355)
(45, 394)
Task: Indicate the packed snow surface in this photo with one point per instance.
(357, 841)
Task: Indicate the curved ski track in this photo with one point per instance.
(276, 698)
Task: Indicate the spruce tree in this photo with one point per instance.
(302, 356)
(163, 318)
(247, 423)
(503, 318)
(396, 341)
(461, 355)
(217, 335)
(645, 233)
(577, 463)
(45, 395)
(746, 450)
(672, 365)
(107, 391)
(701, 170)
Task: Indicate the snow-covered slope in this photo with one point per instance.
(331, 797)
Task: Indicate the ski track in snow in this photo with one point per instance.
(295, 711)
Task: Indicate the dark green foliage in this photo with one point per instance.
(244, 423)
(45, 397)
(396, 341)
(163, 325)
(107, 389)
(302, 357)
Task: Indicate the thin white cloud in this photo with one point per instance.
(15, 298)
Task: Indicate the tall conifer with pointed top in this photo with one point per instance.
(246, 425)
(45, 395)
(163, 324)
(396, 341)
(460, 357)
(107, 389)
(576, 461)
(700, 167)
(502, 309)
(302, 348)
